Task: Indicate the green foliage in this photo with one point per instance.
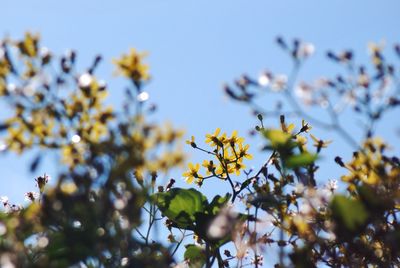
(189, 209)
(278, 138)
(217, 203)
(195, 256)
(182, 206)
(349, 214)
(300, 160)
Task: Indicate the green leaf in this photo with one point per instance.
(181, 205)
(195, 255)
(300, 160)
(217, 203)
(349, 213)
(245, 184)
(302, 258)
(277, 137)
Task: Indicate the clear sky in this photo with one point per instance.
(194, 47)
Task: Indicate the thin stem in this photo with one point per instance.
(281, 251)
(141, 235)
(255, 233)
(203, 150)
(151, 218)
(179, 243)
(208, 263)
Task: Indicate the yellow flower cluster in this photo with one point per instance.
(371, 166)
(29, 46)
(131, 66)
(299, 136)
(229, 153)
(76, 121)
(159, 147)
(28, 51)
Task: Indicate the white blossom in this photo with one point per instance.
(264, 79)
(85, 80)
(223, 223)
(279, 82)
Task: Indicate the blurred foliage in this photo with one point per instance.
(89, 215)
(111, 191)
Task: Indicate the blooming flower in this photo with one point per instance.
(192, 142)
(305, 127)
(320, 143)
(192, 173)
(279, 83)
(306, 50)
(41, 181)
(131, 66)
(238, 166)
(213, 139)
(85, 80)
(210, 166)
(264, 79)
(4, 200)
(331, 185)
(243, 151)
(258, 260)
(234, 139)
(31, 196)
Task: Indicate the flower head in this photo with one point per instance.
(210, 166)
(192, 142)
(234, 139)
(31, 196)
(320, 143)
(192, 173)
(41, 182)
(243, 152)
(214, 139)
(4, 200)
(131, 66)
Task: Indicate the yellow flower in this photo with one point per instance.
(138, 173)
(226, 156)
(369, 166)
(222, 172)
(192, 142)
(132, 66)
(95, 132)
(243, 152)
(192, 173)
(302, 142)
(29, 46)
(17, 139)
(4, 70)
(210, 166)
(170, 135)
(223, 139)
(287, 129)
(213, 139)
(234, 139)
(305, 127)
(238, 166)
(72, 154)
(320, 143)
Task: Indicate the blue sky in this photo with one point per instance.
(194, 47)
